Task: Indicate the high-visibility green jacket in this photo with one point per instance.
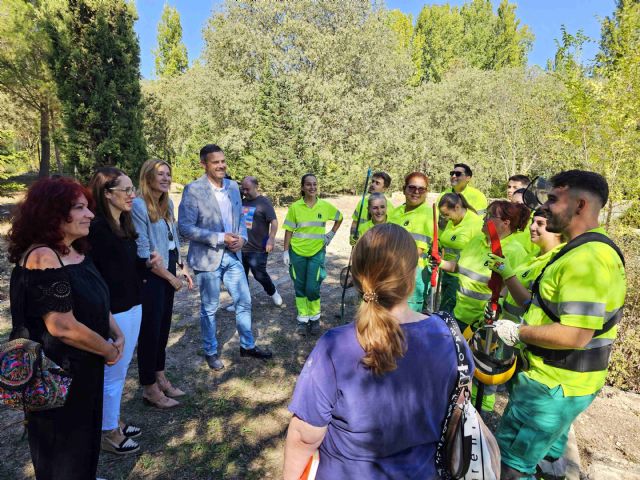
(526, 273)
(585, 288)
(308, 225)
(473, 196)
(418, 222)
(455, 237)
(365, 227)
(473, 276)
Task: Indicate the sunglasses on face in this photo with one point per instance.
(127, 191)
(455, 173)
(416, 189)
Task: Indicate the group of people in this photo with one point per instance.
(97, 268)
(373, 394)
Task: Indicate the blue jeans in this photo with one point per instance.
(231, 272)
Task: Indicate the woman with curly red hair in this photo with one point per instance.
(59, 300)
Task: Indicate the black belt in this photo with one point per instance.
(591, 360)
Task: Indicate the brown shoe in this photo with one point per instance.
(169, 390)
(161, 401)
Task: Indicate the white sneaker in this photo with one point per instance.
(277, 299)
(230, 308)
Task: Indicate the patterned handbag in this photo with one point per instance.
(29, 380)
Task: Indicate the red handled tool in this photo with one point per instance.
(435, 254)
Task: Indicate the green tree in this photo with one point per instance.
(402, 25)
(512, 42)
(24, 73)
(95, 63)
(478, 44)
(171, 54)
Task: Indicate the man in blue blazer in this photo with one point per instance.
(210, 216)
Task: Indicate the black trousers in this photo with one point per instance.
(157, 309)
(257, 263)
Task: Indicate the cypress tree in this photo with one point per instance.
(95, 64)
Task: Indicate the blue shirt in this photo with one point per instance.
(378, 427)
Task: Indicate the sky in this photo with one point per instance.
(544, 18)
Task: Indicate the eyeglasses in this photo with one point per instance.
(455, 173)
(127, 191)
(416, 189)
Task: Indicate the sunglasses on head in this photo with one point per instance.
(416, 189)
(455, 173)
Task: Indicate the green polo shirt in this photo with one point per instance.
(308, 225)
(455, 237)
(418, 222)
(585, 288)
(473, 196)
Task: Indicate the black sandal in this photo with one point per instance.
(125, 447)
(131, 431)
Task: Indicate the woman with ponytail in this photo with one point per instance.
(365, 398)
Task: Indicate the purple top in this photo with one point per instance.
(378, 426)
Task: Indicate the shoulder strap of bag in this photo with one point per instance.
(18, 328)
(576, 242)
(463, 382)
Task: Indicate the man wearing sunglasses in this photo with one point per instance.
(460, 178)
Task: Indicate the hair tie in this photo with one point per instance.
(370, 296)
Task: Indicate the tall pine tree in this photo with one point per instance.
(95, 64)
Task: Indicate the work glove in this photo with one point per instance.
(488, 312)
(508, 331)
(499, 265)
(328, 237)
(352, 240)
(285, 258)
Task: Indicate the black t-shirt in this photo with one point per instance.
(258, 214)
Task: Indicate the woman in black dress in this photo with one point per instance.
(64, 304)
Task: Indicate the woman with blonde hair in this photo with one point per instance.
(154, 221)
(365, 398)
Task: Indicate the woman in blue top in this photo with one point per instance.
(364, 398)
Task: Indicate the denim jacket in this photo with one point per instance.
(153, 235)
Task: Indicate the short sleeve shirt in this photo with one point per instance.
(308, 225)
(258, 215)
(378, 427)
(473, 196)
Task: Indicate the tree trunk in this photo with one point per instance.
(56, 147)
(45, 141)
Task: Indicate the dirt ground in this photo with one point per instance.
(233, 423)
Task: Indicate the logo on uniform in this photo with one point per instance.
(320, 216)
(406, 223)
(453, 238)
(524, 275)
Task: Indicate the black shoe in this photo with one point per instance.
(214, 362)
(302, 328)
(256, 352)
(314, 327)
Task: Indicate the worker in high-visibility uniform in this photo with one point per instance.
(567, 333)
(460, 177)
(380, 183)
(463, 223)
(305, 242)
(416, 217)
(474, 274)
(376, 212)
(518, 296)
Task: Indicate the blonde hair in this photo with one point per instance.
(158, 209)
(384, 269)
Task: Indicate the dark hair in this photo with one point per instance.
(467, 169)
(591, 182)
(252, 179)
(451, 199)
(517, 214)
(207, 149)
(384, 268)
(539, 212)
(304, 177)
(386, 179)
(104, 179)
(520, 178)
(39, 217)
(415, 175)
(528, 197)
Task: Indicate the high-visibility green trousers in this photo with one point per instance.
(536, 422)
(307, 274)
(448, 289)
